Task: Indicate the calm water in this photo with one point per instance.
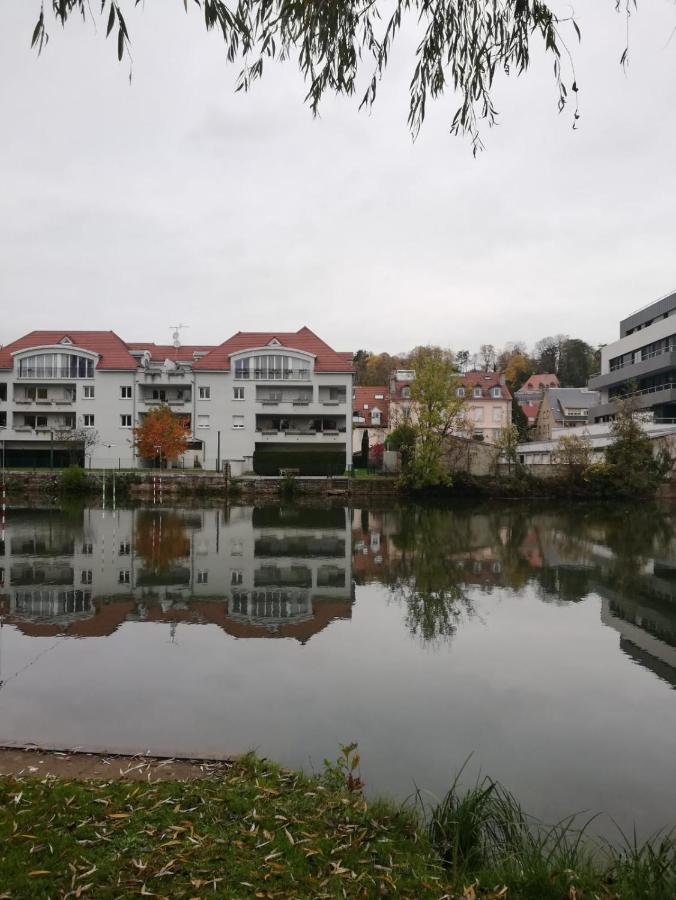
(541, 641)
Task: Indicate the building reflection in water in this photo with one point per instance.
(288, 572)
(626, 557)
(271, 572)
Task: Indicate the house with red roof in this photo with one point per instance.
(488, 404)
(259, 400)
(370, 413)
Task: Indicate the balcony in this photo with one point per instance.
(272, 374)
(652, 363)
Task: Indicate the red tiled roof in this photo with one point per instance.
(160, 352)
(486, 380)
(367, 395)
(326, 359)
(113, 352)
(539, 382)
(530, 410)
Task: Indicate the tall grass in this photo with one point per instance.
(485, 839)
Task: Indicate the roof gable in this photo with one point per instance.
(326, 358)
(112, 351)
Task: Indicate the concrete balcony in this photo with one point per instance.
(644, 399)
(659, 362)
(269, 436)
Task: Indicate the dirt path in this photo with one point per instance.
(83, 766)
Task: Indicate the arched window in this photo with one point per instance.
(56, 365)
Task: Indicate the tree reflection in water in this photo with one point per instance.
(424, 573)
(160, 539)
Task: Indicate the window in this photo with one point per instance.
(125, 548)
(497, 415)
(3, 419)
(242, 368)
(460, 392)
(477, 414)
(238, 393)
(87, 549)
(160, 395)
(202, 576)
(86, 577)
(56, 365)
(238, 421)
(88, 392)
(41, 421)
(42, 393)
(497, 393)
(379, 397)
(125, 421)
(125, 392)
(3, 391)
(205, 393)
(366, 406)
(88, 420)
(203, 421)
(236, 576)
(477, 391)
(406, 392)
(375, 417)
(124, 576)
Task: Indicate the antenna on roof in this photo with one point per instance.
(176, 334)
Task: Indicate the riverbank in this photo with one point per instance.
(82, 825)
(179, 485)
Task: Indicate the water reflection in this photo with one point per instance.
(552, 631)
(254, 572)
(289, 572)
(430, 559)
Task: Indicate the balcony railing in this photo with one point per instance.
(653, 353)
(273, 374)
(669, 386)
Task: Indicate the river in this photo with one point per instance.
(536, 642)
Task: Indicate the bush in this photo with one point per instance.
(73, 480)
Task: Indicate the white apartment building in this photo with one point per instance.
(252, 401)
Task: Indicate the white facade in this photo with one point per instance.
(59, 398)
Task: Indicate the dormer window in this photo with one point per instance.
(379, 397)
(460, 392)
(65, 340)
(497, 393)
(477, 391)
(405, 393)
(375, 417)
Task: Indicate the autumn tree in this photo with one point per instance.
(436, 410)
(162, 435)
(507, 443)
(344, 48)
(574, 453)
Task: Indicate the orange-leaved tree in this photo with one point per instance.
(162, 435)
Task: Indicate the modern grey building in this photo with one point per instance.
(642, 363)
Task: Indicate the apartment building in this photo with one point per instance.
(641, 363)
(76, 396)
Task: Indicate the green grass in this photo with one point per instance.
(262, 831)
(259, 831)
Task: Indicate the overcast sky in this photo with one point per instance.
(173, 199)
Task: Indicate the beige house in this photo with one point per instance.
(489, 404)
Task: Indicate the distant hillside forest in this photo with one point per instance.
(572, 360)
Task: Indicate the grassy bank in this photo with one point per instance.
(262, 831)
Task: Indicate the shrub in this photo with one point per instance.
(73, 480)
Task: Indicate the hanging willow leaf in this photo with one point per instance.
(344, 46)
